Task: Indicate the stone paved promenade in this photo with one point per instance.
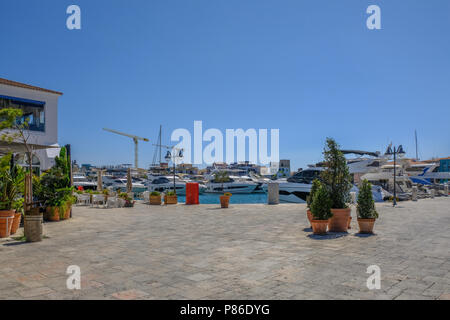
(244, 252)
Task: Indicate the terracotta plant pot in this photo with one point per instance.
(310, 217)
(52, 214)
(349, 223)
(16, 222)
(224, 201)
(366, 225)
(155, 200)
(67, 211)
(319, 226)
(339, 221)
(6, 222)
(170, 199)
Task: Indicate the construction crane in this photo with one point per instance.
(135, 139)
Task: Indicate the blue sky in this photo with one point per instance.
(310, 68)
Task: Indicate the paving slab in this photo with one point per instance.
(248, 251)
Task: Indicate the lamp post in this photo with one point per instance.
(176, 153)
(396, 150)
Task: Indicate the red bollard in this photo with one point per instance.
(192, 193)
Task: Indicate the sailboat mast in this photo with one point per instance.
(160, 129)
(417, 153)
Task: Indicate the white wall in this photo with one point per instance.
(50, 135)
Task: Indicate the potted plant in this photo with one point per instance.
(18, 208)
(321, 210)
(11, 182)
(225, 200)
(170, 198)
(365, 209)
(155, 198)
(106, 194)
(129, 202)
(55, 190)
(337, 180)
(315, 186)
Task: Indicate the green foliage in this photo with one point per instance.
(8, 117)
(321, 204)
(155, 193)
(315, 186)
(11, 182)
(221, 177)
(53, 187)
(125, 196)
(228, 194)
(171, 193)
(336, 177)
(366, 206)
(105, 192)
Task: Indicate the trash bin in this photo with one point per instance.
(192, 193)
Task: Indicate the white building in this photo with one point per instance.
(41, 107)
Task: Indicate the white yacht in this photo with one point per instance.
(297, 188)
(80, 180)
(236, 184)
(165, 183)
(121, 184)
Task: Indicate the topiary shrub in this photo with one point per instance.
(366, 206)
(315, 186)
(321, 204)
(336, 176)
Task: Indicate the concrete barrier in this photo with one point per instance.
(273, 195)
(432, 193)
(446, 190)
(414, 193)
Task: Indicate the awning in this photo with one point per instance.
(18, 147)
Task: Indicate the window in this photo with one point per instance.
(33, 111)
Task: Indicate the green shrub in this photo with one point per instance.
(365, 205)
(155, 193)
(171, 193)
(336, 176)
(315, 186)
(228, 194)
(321, 204)
(11, 182)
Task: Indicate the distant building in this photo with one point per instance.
(284, 169)
(187, 168)
(40, 107)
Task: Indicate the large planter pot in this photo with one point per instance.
(155, 200)
(16, 222)
(6, 222)
(66, 214)
(224, 201)
(310, 216)
(366, 225)
(339, 221)
(319, 226)
(349, 226)
(32, 226)
(52, 214)
(170, 199)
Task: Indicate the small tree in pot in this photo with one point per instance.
(315, 186)
(11, 183)
(320, 209)
(367, 214)
(337, 180)
(223, 177)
